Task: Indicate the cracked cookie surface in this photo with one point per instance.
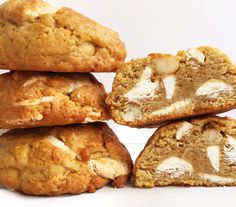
(59, 160)
(195, 152)
(35, 36)
(164, 87)
(34, 99)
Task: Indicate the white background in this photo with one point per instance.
(148, 26)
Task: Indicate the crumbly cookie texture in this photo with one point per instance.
(36, 36)
(34, 99)
(166, 87)
(59, 160)
(195, 152)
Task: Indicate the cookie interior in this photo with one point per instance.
(163, 87)
(195, 152)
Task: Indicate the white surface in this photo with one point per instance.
(156, 197)
(151, 26)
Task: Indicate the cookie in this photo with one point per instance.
(60, 160)
(195, 152)
(34, 99)
(164, 87)
(36, 36)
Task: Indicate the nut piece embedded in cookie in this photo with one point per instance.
(87, 48)
(167, 65)
(212, 136)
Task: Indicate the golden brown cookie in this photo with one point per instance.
(199, 152)
(35, 36)
(33, 99)
(165, 87)
(60, 160)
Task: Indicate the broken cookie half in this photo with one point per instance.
(165, 87)
(36, 36)
(60, 160)
(196, 152)
(35, 99)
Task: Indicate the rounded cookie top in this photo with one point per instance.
(34, 99)
(35, 36)
(59, 160)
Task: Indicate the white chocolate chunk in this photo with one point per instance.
(87, 120)
(80, 82)
(177, 106)
(32, 102)
(144, 89)
(212, 136)
(213, 154)
(175, 167)
(107, 167)
(33, 80)
(94, 115)
(184, 130)
(61, 145)
(217, 179)
(213, 88)
(40, 10)
(169, 83)
(132, 112)
(196, 54)
(230, 150)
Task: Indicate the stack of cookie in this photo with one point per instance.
(50, 52)
(163, 87)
